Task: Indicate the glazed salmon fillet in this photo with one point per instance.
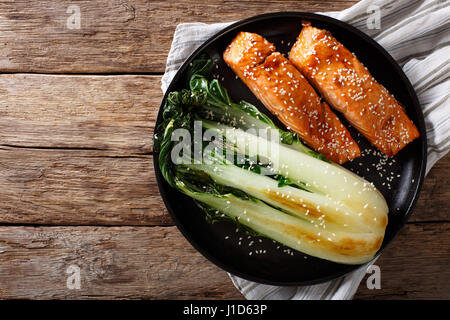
(349, 87)
(287, 94)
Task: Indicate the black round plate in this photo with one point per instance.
(399, 178)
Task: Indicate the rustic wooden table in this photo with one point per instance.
(77, 186)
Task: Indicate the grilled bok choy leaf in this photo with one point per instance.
(244, 115)
(299, 200)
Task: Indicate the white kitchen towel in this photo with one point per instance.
(416, 33)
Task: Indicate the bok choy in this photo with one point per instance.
(277, 188)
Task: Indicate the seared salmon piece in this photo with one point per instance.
(288, 95)
(349, 87)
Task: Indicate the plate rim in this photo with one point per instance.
(397, 69)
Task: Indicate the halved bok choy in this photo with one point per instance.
(291, 195)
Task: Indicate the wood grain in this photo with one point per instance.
(82, 187)
(156, 262)
(115, 262)
(433, 204)
(114, 36)
(415, 265)
(93, 112)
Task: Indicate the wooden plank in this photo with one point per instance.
(90, 187)
(94, 112)
(80, 187)
(415, 266)
(114, 36)
(433, 204)
(156, 262)
(115, 262)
